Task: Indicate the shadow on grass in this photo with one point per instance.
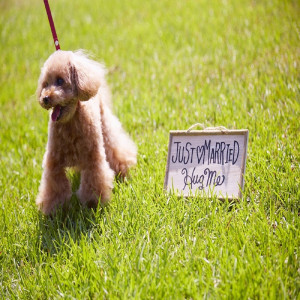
(70, 224)
(68, 227)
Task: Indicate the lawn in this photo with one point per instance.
(232, 63)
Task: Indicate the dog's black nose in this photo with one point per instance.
(46, 100)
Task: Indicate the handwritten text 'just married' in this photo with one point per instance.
(218, 153)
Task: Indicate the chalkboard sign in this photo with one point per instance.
(207, 162)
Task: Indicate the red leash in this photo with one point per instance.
(56, 43)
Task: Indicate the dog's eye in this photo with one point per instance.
(45, 84)
(59, 81)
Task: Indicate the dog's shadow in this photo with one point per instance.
(70, 223)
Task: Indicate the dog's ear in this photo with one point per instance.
(40, 84)
(86, 75)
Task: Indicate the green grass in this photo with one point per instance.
(172, 64)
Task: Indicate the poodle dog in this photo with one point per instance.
(82, 132)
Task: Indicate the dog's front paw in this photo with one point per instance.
(46, 206)
(95, 186)
(91, 198)
(48, 203)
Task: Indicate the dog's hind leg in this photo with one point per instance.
(120, 150)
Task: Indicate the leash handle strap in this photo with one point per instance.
(56, 43)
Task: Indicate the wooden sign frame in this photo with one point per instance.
(198, 158)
